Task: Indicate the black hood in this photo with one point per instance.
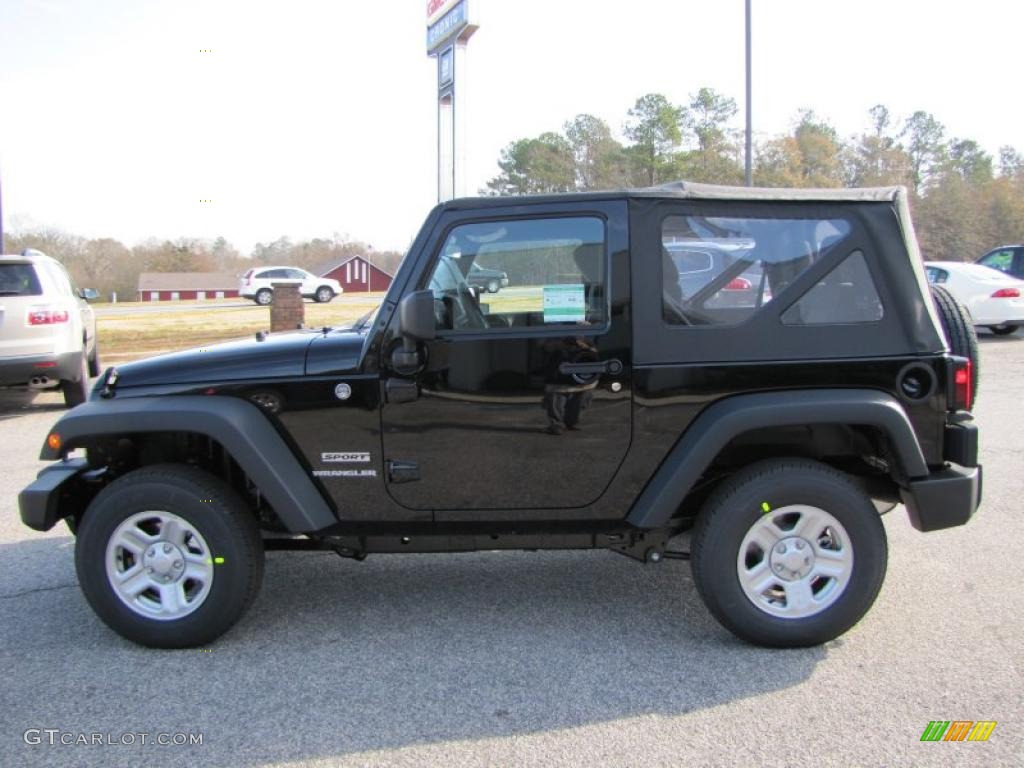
(279, 354)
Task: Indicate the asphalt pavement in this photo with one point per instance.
(526, 659)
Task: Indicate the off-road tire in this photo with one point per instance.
(739, 503)
(959, 332)
(215, 511)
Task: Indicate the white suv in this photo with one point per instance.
(47, 330)
(257, 284)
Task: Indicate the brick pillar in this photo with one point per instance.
(287, 312)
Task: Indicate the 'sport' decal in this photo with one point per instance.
(345, 457)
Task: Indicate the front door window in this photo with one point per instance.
(555, 270)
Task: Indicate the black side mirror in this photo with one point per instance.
(415, 324)
(416, 317)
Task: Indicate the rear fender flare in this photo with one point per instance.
(726, 419)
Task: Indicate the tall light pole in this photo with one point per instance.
(747, 169)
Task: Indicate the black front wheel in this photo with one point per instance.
(1002, 330)
(169, 556)
(788, 553)
(323, 295)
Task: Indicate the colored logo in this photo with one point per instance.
(958, 730)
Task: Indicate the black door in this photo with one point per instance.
(522, 406)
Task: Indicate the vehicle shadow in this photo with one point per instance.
(990, 338)
(17, 402)
(338, 657)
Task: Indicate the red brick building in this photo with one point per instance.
(187, 286)
(357, 275)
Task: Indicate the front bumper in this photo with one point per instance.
(20, 370)
(50, 497)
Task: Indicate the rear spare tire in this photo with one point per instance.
(959, 332)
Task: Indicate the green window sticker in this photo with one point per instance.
(565, 303)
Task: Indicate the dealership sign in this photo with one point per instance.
(448, 26)
(438, 8)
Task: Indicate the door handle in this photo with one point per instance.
(612, 367)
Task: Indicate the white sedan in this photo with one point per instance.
(993, 299)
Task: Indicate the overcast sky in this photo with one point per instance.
(312, 117)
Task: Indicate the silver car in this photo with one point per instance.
(47, 328)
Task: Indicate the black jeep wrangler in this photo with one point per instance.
(608, 402)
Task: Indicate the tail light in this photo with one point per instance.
(46, 316)
(738, 284)
(960, 391)
(248, 277)
(1007, 293)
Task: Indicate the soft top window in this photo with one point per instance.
(719, 270)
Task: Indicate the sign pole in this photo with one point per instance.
(747, 167)
(448, 30)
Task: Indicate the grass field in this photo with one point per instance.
(126, 335)
(139, 334)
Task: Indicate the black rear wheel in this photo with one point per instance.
(264, 296)
(76, 392)
(94, 361)
(959, 332)
(788, 553)
(1002, 330)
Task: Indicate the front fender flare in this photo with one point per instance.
(239, 426)
(726, 419)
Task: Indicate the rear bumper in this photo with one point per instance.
(944, 499)
(19, 370)
(40, 503)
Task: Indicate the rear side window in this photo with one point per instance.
(19, 280)
(1001, 260)
(846, 294)
(720, 270)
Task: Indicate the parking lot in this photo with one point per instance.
(527, 658)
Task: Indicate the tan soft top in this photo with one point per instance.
(696, 191)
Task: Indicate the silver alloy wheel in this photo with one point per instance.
(324, 294)
(795, 561)
(159, 565)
